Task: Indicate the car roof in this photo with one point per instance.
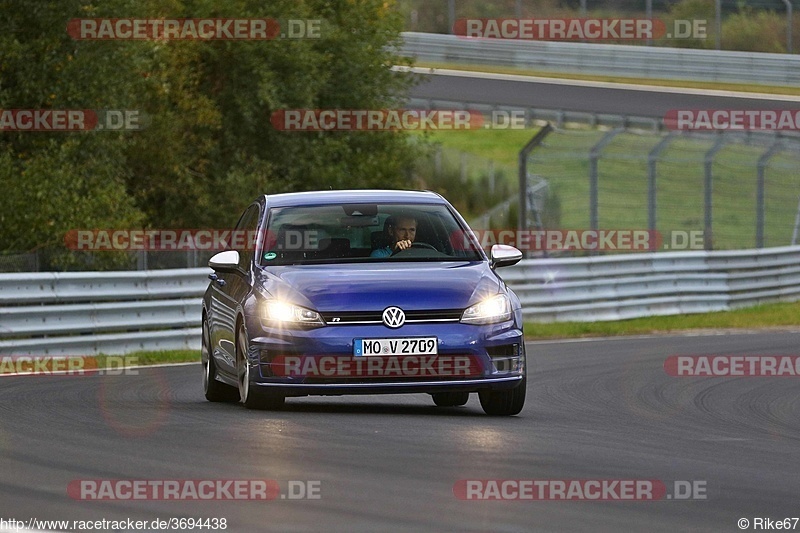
(353, 196)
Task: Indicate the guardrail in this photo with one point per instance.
(120, 312)
(629, 286)
(89, 313)
(607, 59)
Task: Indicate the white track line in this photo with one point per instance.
(597, 84)
(91, 372)
(687, 333)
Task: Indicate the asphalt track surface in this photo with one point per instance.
(586, 97)
(602, 409)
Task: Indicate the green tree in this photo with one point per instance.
(349, 66)
(209, 147)
(56, 181)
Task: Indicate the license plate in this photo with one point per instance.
(397, 346)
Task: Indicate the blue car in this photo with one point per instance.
(361, 292)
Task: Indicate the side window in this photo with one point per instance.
(246, 231)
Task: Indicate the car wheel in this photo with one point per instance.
(214, 390)
(249, 397)
(504, 402)
(450, 399)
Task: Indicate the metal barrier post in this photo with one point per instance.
(652, 158)
(522, 159)
(708, 241)
(763, 161)
(594, 156)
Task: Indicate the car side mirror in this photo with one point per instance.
(504, 255)
(225, 261)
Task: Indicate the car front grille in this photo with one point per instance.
(376, 317)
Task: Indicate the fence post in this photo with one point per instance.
(763, 161)
(594, 156)
(451, 15)
(522, 160)
(707, 191)
(652, 158)
(141, 260)
(788, 26)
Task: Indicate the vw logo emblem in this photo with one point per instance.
(393, 317)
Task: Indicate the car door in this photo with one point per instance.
(229, 291)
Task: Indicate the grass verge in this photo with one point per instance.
(779, 315)
(167, 356)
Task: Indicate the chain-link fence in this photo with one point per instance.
(739, 190)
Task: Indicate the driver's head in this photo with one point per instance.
(403, 228)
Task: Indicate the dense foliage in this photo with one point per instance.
(209, 147)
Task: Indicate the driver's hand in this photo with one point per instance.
(402, 245)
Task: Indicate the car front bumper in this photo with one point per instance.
(497, 350)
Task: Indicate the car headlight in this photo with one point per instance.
(290, 314)
(495, 309)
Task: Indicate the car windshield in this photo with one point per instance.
(365, 233)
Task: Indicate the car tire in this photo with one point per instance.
(249, 397)
(215, 391)
(504, 402)
(450, 399)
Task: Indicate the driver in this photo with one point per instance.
(402, 232)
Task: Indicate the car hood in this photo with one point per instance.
(374, 287)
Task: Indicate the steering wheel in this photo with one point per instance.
(423, 245)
